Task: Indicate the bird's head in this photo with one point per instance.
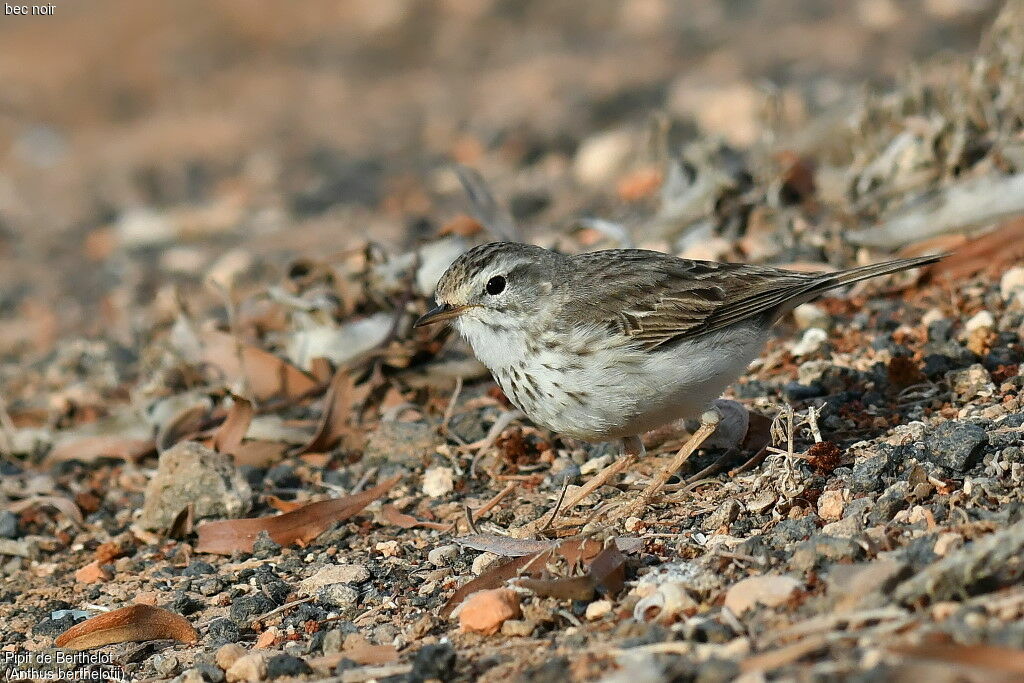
(500, 284)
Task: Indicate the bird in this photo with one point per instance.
(608, 345)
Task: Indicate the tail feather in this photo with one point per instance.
(847, 277)
(826, 281)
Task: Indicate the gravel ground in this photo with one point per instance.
(229, 357)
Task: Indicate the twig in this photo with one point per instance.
(558, 506)
(450, 409)
(498, 497)
(287, 605)
(470, 522)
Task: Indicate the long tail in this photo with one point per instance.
(828, 281)
(825, 281)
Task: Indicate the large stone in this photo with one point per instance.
(192, 473)
(401, 442)
(955, 446)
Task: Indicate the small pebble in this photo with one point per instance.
(443, 555)
(249, 667)
(982, 320)
(228, 655)
(517, 628)
(485, 611)
(811, 315)
(282, 665)
(339, 595)
(482, 562)
(438, 481)
(811, 341)
(598, 609)
(831, 505)
(1011, 282)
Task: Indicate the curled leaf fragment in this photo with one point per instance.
(133, 624)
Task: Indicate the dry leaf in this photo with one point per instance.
(65, 506)
(505, 546)
(573, 552)
(229, 436)
(266, 375)
(991, 657)
(993, 252)
(92, 448)
(282, 505)
(769, 590)
(137, 623)
(607, 570)
(301, 525)
(333, 426)
(391, 515)
(259, 453)
(184, 425)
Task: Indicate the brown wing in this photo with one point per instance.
(656, 298)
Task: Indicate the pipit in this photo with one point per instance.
(612, 344)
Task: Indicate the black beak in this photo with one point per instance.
(438, 314)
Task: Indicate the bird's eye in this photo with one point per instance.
(496, 285)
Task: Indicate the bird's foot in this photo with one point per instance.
(709, 422)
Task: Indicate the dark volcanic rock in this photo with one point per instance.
(955, 445)
(822, 549)
(869, 473)
(286, 665)
(433, 662)
(892, 500)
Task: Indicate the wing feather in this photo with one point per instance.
(657, 299)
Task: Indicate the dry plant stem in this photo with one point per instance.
(708, 422)
(500, 496)
(599, 480)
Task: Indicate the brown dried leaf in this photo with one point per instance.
(302, 525)
(260, 453)
(65, 506)
(333, 426)
(137, 623)
(991, 657)
(391, 515)
(183, 523)
(282, 505)
(184, 425)
(229, 436)
(267, 375)
(992, 252)
(505, 546)
(574, 552)
(607, 570)
(92, 448)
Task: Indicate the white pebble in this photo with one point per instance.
(812, 340)
(811, 315)
(1012, 281)
(982, 320)
(482, 562)
(443, 555)
(598, 609)
(602, 156)
(438, 481)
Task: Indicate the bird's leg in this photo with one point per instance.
(632, 449)
(708, 423)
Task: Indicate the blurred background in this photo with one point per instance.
(147, 144)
